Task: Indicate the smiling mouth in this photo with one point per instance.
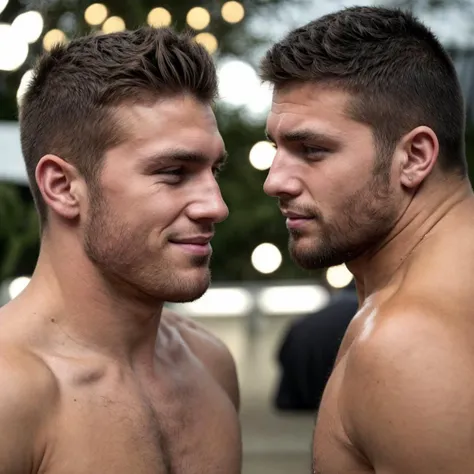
(199, 245)
(196, 249)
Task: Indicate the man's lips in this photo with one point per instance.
(296, 220)
(198, 245)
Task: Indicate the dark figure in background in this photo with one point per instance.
(309, 349)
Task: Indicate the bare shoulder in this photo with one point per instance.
(407, 388)
(211, 351)
(27, 397)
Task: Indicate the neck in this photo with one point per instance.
(68, 290)
(427, 210)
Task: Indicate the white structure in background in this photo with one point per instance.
(220, 302)
(250, 300)
(266, 258)
(229, 300)
(240, 86)
(292, 299)
(339, 276)
(12, 167)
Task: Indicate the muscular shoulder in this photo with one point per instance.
(27, 396)
(30, 381)
(211, 351)
(407, 387)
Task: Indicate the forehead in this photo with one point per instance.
(316, 106)
(167, 123)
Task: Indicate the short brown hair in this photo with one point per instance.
(66, 109)
(397, 70)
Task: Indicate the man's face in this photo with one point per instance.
(338, 204)
(152, 213)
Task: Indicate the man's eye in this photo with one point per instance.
(314, 151)
(173, 172)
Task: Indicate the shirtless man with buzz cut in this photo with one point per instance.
(370, 171)
(122, 151)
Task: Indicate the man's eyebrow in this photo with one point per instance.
(176, 155)
(306, 135)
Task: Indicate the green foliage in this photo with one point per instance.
(19, 232)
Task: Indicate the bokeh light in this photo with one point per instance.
(113, 24)
(13, 48)
(95, 14)
(198, 18)
(233, 12)
(17, 286)
(261, 155)
(29, 25)
(159, 17)
(266, 258)
(208, 40)
(53, 37)
(236, 81)
(338, 276)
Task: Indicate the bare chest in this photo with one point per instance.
(122, 429)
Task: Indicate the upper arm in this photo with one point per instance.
(21, 413)
(408, 399)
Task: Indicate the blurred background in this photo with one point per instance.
(282, 324)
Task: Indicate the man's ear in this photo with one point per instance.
(60, 185)
(420, 149)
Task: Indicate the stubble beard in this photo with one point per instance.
(123, 257)
(366, 219)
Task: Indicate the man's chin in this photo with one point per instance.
(311, 258)
(189, 290)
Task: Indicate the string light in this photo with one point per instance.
(95, 14)
(53, 37)
(233, 12)
(208, 40)
(113, 24)
(198, 18)
(159, 17)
